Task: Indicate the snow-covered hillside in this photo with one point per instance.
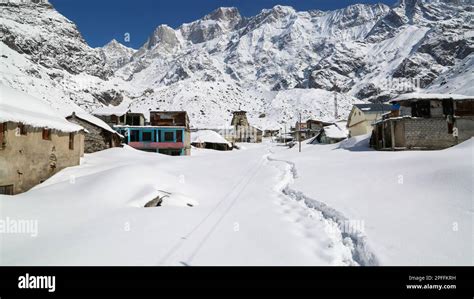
(224, 61)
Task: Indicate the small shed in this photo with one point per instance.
(210, 139)
(330, 134)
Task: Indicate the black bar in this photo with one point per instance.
(291, 282)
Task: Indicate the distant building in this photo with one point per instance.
(210, 139)
(425, 121)
(35, 142)
(168, 133)
(99, 135)
(309, 129)
(363, 116)
(118, 116)
(271, 132)
(244, 132)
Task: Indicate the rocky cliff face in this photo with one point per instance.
(48, 39)
(277, 63)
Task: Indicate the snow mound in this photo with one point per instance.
(208, 136)
(335, 131)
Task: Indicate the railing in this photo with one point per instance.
(156, 145)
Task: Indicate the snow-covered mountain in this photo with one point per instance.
(274, 65)
(116, 55)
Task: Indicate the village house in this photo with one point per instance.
(99, 135)
(119, 116)
(210, 139)
(425, 121)
(330, 134)
(168, 133)
(308, 129)
(313, 127)
(35, 141)
(363, 116)
(244, 132)
(271, 132)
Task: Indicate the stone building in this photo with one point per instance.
(425, 121)
(35, 142)
(99, 135)
(239, 119)
(243, 131)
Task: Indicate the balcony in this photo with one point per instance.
(156, 145)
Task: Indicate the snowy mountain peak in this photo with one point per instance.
(116, 54)
(224, 14)
(162, 34)
(274, 65)
(44, 3)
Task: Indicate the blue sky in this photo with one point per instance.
(100, 21)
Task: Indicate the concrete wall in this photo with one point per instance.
(432, 133)
(361, 122)
(27, 160)
(96, 139)
(465, 127)
(360, 129)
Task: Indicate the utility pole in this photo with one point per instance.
(299, 134)
(335, 106)
(284, 136)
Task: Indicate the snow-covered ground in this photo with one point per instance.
(261, 205)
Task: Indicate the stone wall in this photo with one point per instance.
(96, 139)
(27, 160)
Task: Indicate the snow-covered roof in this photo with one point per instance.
(17, 106)
(422, 96)
(95, 121)
(111, 110)
(208, 136)
(335, 131)
(374, 107)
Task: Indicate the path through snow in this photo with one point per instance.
(336, 225)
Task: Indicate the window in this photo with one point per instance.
(21, 129)
(134, 136)
(448, 107)
(6, 190)
(420, 109)
(147, 136)
(46, 134)
(169, 137)
(179, 136)
(71, 141)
